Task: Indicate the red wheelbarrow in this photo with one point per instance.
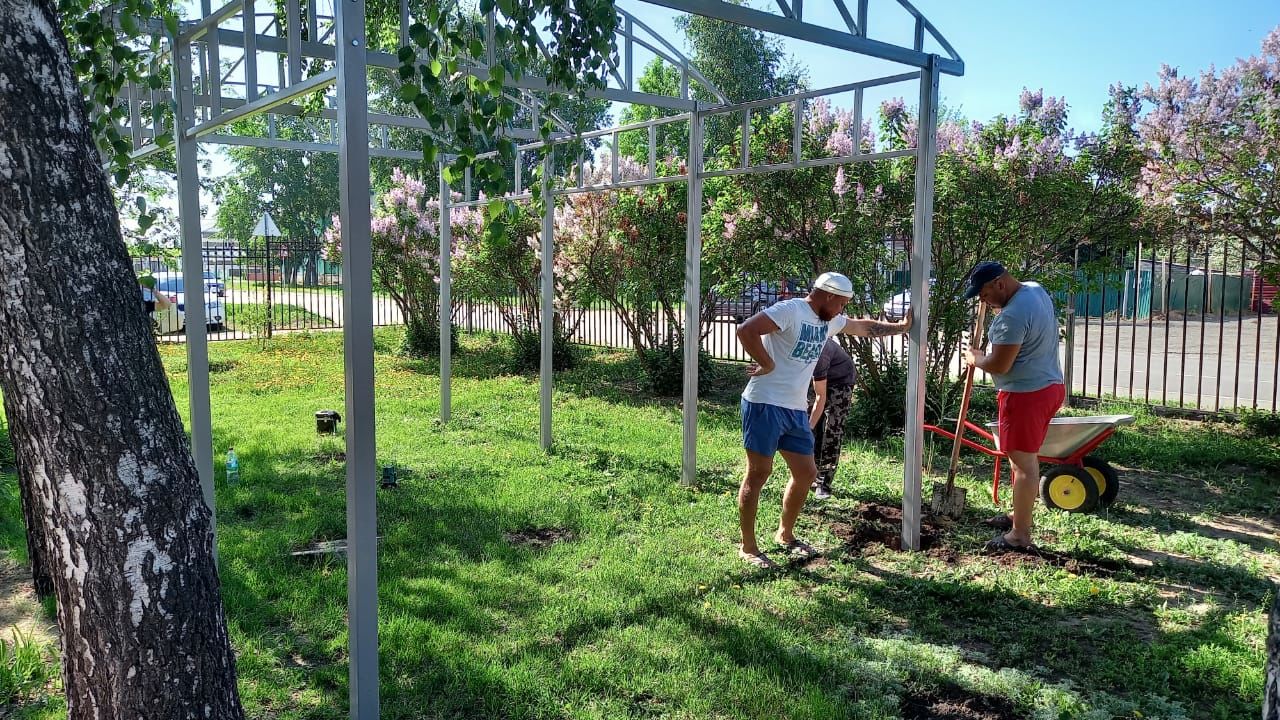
(1071, 479)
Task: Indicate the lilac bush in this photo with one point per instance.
(1212, 145)
(405, 237)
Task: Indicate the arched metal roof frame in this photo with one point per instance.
(201, 113)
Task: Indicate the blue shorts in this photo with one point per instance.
(767, 429)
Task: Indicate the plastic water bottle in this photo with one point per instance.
(233, 467)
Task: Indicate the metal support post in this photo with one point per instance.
(692, 304)
(926, 159)
(250, 51)
(187, 152)
(446, 302)
(548, 301)
(357, 315)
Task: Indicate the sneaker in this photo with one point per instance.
(822, 492)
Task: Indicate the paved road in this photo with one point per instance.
(1198, 362)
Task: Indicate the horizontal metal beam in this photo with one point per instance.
(208, 22)
(263, 104)
(277, 144)
(808, 32)
(810, 94)
(480, 203)
(591, 134)
(267, 43)
(375, 118)
(803, 164)
(144, 152)
(619, 185)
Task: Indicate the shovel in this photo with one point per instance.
(948, 500)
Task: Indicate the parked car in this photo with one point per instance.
(895, 308)
(174, 318)
(214, 283)
(754, 298)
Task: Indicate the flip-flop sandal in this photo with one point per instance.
(801, 550)
(758, 560)
(999, 522)
(1000, 543)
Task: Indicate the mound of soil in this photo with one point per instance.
(949, 702)
(538, 538)
(872, 524)
(1080, 566)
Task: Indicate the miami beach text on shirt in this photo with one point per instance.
(809, 344)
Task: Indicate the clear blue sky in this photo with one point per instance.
(1071, 49)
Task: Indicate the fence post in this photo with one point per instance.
(270, 270)
(1068, 369)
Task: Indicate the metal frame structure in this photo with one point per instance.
(207, 99)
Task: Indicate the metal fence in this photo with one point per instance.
(258, 292)
(1195, 328)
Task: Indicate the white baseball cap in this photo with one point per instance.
(834, 283)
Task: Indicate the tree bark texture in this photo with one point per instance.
(1271, 695)
(37, 550)
(95, 426)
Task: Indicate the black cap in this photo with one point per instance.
(983, 273)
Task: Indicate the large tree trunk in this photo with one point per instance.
(120, 505)
(37, 550)
(41, 576)
(1271, 696)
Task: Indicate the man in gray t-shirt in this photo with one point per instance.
(1024, 363)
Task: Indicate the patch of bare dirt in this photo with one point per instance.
(19, 607)
(950, 702)
(1101, 567)
(816, 564)
(872, 525)
(1258, 533)
(539, 538)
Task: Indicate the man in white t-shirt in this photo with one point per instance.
(785, 341)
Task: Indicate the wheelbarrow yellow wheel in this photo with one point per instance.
(1069, 488)
(1107, 478)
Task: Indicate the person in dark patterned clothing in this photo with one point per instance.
(833, 378)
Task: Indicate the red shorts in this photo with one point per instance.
(1025, 416)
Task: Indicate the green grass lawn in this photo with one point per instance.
(640, 608)
(252, 317)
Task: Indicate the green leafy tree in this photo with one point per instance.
(1009, 190)
(743, 63)
(658, 78)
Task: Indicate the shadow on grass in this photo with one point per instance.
(1257, 535)
(1100, 645)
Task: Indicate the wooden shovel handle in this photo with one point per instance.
(975, 342)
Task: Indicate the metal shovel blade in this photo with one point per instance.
(947, 504)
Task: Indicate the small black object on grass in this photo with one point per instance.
(327, 422)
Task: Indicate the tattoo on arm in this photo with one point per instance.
(866, 327)
(877, 328)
